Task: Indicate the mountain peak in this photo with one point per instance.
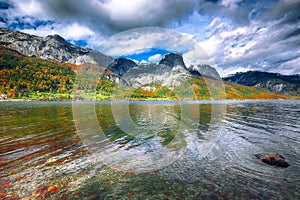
(121, 65)
(56, 37)
(4, 29)
(172, 60)
(204, 70)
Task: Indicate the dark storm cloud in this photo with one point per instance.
(4, 5)
(119, 15)
(236, 11)
(293, 34)
(260, 35)
(286, 9)
(79, 11)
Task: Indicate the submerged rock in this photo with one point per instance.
(273, 159)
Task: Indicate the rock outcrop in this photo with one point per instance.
(273, 159)
(204, 70)
(51, 47)
(170, 71)
(90, 70)
(121, 65)
(173, 60)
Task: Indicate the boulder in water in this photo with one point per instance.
(273, 159)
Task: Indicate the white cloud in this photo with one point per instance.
(117, 12)
(230, 3)
(289, 67)
(233, 70)
(132, 41)
(267, 46)
(155, 58)
(211, 45)
(71, 32)
(108, 16)
(198, 55)
(29, 7)
(77, 32)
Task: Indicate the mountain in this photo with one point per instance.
(31, 65)
(204, 70)
(170, 71)
(57, 48)
(27, 77)
(51, 47)
(176, 60)
(272, 82)
(121, 65)
(173, 60)
(20, 75)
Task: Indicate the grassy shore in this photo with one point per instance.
(107, 98)
(83, 95)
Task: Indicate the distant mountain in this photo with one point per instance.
(88, 70)
(34, 78)
(170, 71)
(272, 82)
(204, 70)
(51, 47)
(173, 60)
(57, 48)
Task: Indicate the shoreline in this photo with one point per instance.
(142, 100)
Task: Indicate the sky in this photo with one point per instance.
(148, 55)
(237, 35)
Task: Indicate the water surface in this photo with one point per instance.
(154, 150)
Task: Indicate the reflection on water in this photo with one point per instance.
(154, 150)
(144, 136)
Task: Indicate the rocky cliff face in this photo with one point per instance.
(156, 74)
(121, 65)
(51, 47)
(273, 82)
(176, 61)
(94, 72)
(173, 60)
(170, 71)
(204, 70)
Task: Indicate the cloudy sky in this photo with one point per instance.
(237, 35)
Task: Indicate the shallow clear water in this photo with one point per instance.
(148, 150)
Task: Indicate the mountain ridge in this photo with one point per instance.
(272, 82)
(170, 72)
(57, 48)
(25, 77)
(51, 47)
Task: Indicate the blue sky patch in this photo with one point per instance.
(29, 23)
(146, 53)
(82, 43)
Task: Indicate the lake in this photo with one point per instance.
(148, 150)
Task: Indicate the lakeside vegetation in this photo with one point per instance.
(31, 78)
